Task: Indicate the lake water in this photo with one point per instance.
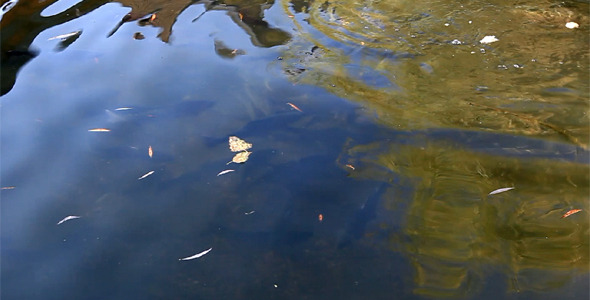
(400, 149)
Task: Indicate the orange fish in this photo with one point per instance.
(320, 217)
(350, 166)
(571, 212)
(150, 151)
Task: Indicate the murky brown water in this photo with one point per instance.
(421, 65)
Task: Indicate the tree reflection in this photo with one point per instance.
(247, 14)
(454, 230)
(21, 25)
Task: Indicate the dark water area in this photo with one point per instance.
(393, 154)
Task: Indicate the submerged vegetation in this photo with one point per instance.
(459, 224)
(422, 65)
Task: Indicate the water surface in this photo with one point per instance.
(379, 130)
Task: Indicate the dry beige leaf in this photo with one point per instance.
(236, 144)
(240, 157)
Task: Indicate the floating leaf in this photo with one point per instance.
(236, 144)
(68, 218)
(500, 190)
(145, 175)
(224, 172)
(99, 130)
(66, 36)
(197, 255)
(571, 212)
(240, 157)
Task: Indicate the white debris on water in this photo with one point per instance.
(197, 255)
(68, 218)
(572, 25)
(488, 39)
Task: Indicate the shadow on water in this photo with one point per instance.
(357, 227)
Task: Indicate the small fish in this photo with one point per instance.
(250, 212)
(197, 255)
(146, 175)
(571, 212)
(68, 218)
(8, 187)
(150, 151)
(123, 108)
(294, 106)
(153, 17)
(99, 130)
(500, 190)
(350, 166)
(320, 217)
(65, 36)
(225, 172)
